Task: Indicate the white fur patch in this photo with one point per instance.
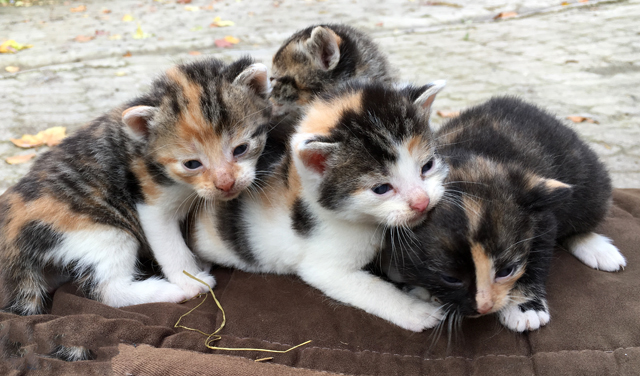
(513, 318)
(597, 252)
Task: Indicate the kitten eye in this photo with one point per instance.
(239, 150)
(427, 166)
(192, 164)
(451, 280)
(382, 189)
(505, 272)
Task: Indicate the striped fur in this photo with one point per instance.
(520, 183)
(319, 215)
(119, 187)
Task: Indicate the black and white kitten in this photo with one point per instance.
(520, 182)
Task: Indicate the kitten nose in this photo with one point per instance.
(484, 307)
(420, 204)
(225, 182)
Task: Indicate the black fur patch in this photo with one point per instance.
(35, 239)
(302, 220)
(232, 229)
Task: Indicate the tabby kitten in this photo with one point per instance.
(361, 159)
(520, 182)
(318, 59)
(122, 184)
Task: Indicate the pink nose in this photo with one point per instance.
(225, 183)
(485, 308)
(421, 204)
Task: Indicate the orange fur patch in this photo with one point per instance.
(149, 187)
(323, 116)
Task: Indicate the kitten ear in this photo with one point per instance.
(137, 119)
(428, 94)
(546, 193)
(314, 154)
(256, 77)
(324, 46)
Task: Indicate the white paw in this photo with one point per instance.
(513, 318)
(170, 293)
(597, 252)
(421, 315)
(191, 287)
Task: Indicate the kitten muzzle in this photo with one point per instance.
(420, 204)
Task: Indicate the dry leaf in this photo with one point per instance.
(102, 32)
(127, 18)
(504, 15)
(127, 54)
(183, 1)
(83, 38)
(580, 119)
(139, 34)
(195, 53)
(379, 24)
(12, 69)
(106, 11)
(191, 8)
(232, 40)
(448, 114)
(11, 47)
(50, 137)
(17, 159)
(223, 43)
(564, 3)
(79, 9)
(218, 22)
(121, 73)
(443, 4)
(115, 37)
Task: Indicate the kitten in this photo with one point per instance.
(122, 184)
(361, 159)
(520, 182)
(316, 60)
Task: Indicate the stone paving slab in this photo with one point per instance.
(578, 59)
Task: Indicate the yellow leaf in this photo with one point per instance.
(17, 159)
(79, 9)
(564, 3)
(115, 37)
(11, 47)
(231, 39)
(219, 22)
(127, 18)
(121, 73)
(51, 137)
(12, 69)
(139, 34)
(192, 8)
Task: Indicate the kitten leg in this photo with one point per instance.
(527, 316)
(596, 251)
(29, 292)
(171, 252)
(105, 259)
(373, 295)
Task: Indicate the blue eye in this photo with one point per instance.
(239, 150)
(451, 280)
(505, 272)
(382, 189)
(428, 166)
(192, 164)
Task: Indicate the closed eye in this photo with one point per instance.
(453, 281)
(505, 272)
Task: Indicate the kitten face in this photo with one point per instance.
(367, 154)
(210, 130)
(485, 241)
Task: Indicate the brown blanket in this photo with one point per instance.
(594, 329)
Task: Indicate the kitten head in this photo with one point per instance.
(492, 233)
(366, 153)
(204, 125)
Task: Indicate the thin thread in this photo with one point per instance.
(215, 336)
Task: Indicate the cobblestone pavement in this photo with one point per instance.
(581, 58)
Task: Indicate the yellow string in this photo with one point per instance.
(215, 336)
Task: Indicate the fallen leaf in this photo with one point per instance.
(196, 28)
(191, 8)
(83, 38)
(504, 15)
(127, 18)
(12, 69)
(121, 73)
(115, 37)
(232, 40)
(218, 22)
(580, 119)
(183, 1)
(195, 53)
(127, 54)
(222, 43)
(583, 1)
(106, 11)
(571, 61)
(564, 3)
(448, 114)
(79, 9)
(101, 32)
(51, 137)
(139, 34)
(17, 159)
(443, 4)
(379, 24)
(11, 47)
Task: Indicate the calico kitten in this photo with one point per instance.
(520, 182)
(318, 59)
(122, 184)
(361, 159)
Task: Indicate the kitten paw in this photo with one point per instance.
(191, 287)
(168, 292)
(421, 316)
(513, 318)
(597, 252)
